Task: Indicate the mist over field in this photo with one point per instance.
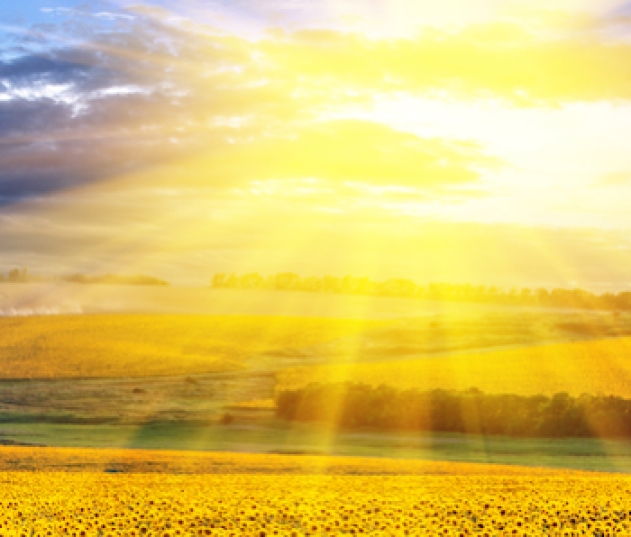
(49, 299)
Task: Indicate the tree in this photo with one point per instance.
(14, 275)
(219, 280)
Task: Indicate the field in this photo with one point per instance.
(186, 411)
(577, 367)
(262, 434)
(190, 399)
(167, 494)
(414, 337)
(207, 382)
(97, 346)
(141, 345)
(138, 369)
(82, 460)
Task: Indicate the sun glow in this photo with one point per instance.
(459, 112)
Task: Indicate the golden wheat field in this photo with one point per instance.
(264, 495)
(70, 346)
(579, 367)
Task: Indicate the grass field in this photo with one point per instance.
(258, 435)
(136, 461)
(165, 494)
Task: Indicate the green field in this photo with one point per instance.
(267, 435)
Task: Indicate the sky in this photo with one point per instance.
(479, 141)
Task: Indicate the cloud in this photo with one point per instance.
(113, 16)
(500, 60)
(352, 150)
(37, 69)
(205, 110)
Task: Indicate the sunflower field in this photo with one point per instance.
(264, 495)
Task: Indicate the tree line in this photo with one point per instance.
(23, 276)
(559, 298)
(386, 408)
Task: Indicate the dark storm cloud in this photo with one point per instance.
(30, 117)
(50, 69)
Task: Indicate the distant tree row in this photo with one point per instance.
(23, 276)
(349, 405)
(561, 298)
(137, 279)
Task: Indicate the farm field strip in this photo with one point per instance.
(101, 346)
(51, 459)
(111, 346)
(599, 366)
